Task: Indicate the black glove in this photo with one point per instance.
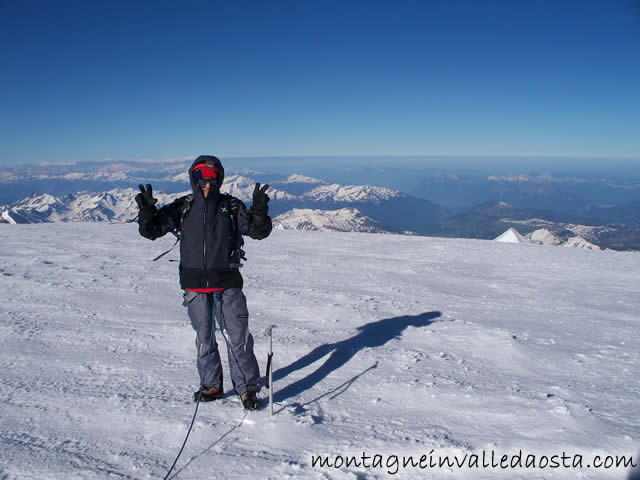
(260, 200)
(145, 199)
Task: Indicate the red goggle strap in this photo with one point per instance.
(208, 171)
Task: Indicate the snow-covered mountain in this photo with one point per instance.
(242, 187)
(99, 172)
(352, 194)
(544, 236)
(396, 210)
(343, 220)
(297, 184)
(296, 178)
(113, 205)
(582, 236)
(6, 218)
(318, 191)
(63, 179)
(78, 207)
(386, 346)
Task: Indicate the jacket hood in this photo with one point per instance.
(209, 160)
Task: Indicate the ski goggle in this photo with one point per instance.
(204, 173)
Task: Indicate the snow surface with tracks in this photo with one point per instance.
(385, 345)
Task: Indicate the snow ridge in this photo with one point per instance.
(298, 178)
(113, 205)
(242, 188)
(343, 220)
(352, 193)
(6, 218)
(544, 236)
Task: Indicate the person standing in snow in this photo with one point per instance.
(210, 226)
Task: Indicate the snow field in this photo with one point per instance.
(384, 344)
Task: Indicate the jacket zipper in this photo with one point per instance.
(204, 248)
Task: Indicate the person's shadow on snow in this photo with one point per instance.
(371, 335)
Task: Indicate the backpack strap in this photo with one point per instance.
(186, 206)
(164, 253)
(232, 205)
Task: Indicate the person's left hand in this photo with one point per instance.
(260, 200)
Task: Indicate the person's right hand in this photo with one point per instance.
(145, 198)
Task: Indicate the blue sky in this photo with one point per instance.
(86, 81)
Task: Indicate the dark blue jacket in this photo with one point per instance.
(211, 231)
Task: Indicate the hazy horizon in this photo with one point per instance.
(471, 164)
(408, 174)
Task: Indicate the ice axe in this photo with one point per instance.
(269, 375)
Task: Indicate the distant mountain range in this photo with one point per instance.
(113, 205)
(306, 203)
(595, 200)
(327, 207)
(489, 220)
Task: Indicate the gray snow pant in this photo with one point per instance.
(233, 322)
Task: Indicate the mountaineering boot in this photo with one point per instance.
(249, 400)
(208, 394)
